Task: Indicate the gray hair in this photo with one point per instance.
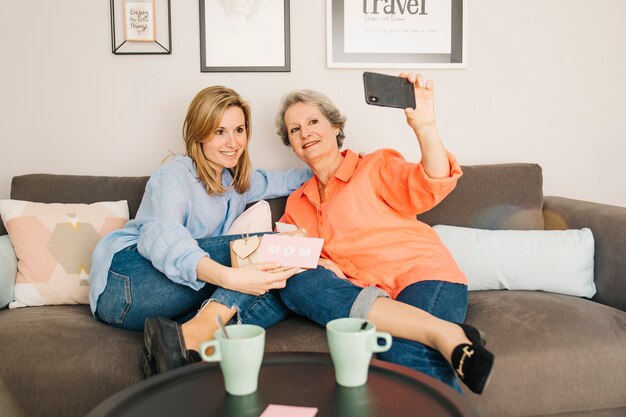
(326, 106)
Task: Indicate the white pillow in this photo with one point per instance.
(559, 261)
(286, 227)
(8, 270)
(256, 219)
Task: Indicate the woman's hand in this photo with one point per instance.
(255, 279)
(331, 266)
(422, 118)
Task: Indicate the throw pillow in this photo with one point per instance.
(255, 219)
(8, 269)
(53, 244)
(559, 261)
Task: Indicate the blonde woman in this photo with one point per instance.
(159, 269)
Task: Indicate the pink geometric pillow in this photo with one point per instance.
(53, 244)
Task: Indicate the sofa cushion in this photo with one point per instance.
(51, 188)
(296, 334)
(498, 196)
(8, 405)
(563, 352)
(502, 196)
(53, 244)
(73, 361)
(558, 261)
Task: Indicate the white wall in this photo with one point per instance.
(545, 83)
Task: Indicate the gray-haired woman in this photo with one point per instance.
(382, 264)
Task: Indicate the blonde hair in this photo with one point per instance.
(203, 117)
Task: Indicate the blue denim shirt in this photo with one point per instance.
(175, 211)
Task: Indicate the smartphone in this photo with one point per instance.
(388, 90)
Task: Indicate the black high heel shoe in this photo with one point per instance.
(473, 363)
(164, 347)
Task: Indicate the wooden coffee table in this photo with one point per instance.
(298, 379)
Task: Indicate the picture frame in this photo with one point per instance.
(141, 27)
(396, 34)
(254, 37)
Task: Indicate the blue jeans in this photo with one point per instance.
(136, 290)
(321, 296)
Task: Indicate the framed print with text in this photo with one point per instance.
(139, 21)
(395, 33)
(141, 27)
(244, 35)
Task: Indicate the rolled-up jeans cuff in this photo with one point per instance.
(364, 301)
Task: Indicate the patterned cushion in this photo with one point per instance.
(53, 244)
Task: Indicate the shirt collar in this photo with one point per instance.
(344, 172)
(347, 166)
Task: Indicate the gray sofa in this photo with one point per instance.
(556, 355)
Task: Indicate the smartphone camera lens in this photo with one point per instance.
(374, 99)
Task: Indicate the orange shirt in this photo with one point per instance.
(368, 220)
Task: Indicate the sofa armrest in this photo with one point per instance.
(608, 224)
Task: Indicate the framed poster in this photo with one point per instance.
(395, 33)
(141, 27)
(139, 21)
(244, 35)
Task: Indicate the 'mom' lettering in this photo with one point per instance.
(389, 6)
(288, 250)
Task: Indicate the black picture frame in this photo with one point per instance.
(160, 44)
(240, 43)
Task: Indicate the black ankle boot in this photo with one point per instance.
(472, 362)
(165, 347)
(147, 364)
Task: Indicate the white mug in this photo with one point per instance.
(351, 347)
(240, 356)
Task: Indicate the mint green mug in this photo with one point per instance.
(351, 347)
(240, 356)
